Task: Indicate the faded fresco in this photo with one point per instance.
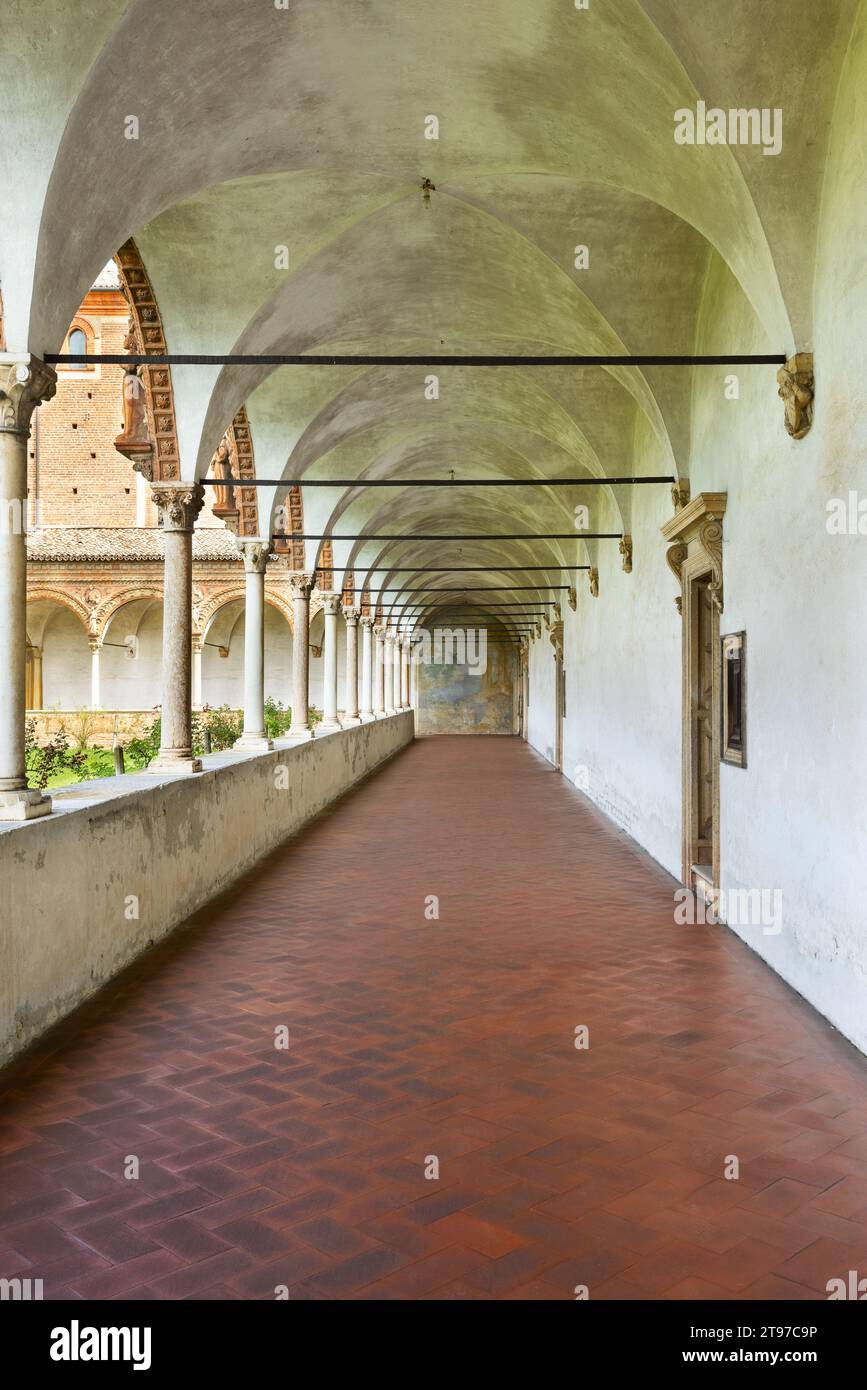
(455, 698)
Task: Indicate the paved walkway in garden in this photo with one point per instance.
(415, 1042)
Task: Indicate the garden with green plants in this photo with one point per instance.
(69, 756)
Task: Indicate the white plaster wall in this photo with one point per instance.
(795, 819)
(66, 880)
(133, 683)
(223, 677)
(65, 663)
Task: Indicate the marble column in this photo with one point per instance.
(379, 673)
(388, 673)
(178, 505)
(404, 673)
(366, 624)
(198, 650)
(301, 586)
(24, 382)
(350, 714)
(413, 673)
(254, 738)
(95, 649)
(396, 671)
(331, 608)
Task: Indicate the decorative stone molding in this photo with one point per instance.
(178, 504)
(594, 581)
(626, 554)
(254, 554)
(796, 384)
(24, 382)
(696, 533)
(680, 493)
(146, 325)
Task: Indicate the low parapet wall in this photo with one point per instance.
(122, 861)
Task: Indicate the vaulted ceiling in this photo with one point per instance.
(305, 127)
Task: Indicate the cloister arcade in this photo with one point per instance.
(468, 338)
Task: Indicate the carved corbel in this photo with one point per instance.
(626, 554)
(573, 597)
(710, 540)
(796, 384)
(680, 493)
(675, 556)
(556, 638)
(594, 581)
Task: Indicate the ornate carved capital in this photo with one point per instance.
(24, 382)
(626, 554)
(301, 585)
(680, 493)
(573, 598)
(556, 638)
(254, 554)
(796, 384)
(594, 581)
(379, 631)
(178, 504)
(330, 602)
(352, 616)
(365, 620)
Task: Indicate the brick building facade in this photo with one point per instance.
(95, 558)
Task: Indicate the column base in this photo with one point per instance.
(298, 735)
(164, 764)
(25, 804)
(253, 743)
(366, 717)
(350, 719)
(389, 713)
(329, 726)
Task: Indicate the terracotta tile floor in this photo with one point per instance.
(454, 1038)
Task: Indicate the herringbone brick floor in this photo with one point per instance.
(411, 1039)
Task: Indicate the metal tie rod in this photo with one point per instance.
(168, 359)
(465, 536)
(432, 482)
(470, 589)
(460, 569)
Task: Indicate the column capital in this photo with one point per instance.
(178, 504)
(301, 584)
(380, 631)
(95, 643)
(24, 382)
(254, 553)
(330, 601)
(351, 615)
(365, 620)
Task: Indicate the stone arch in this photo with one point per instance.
(147, 329)
(37, 593)
(109, 607)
